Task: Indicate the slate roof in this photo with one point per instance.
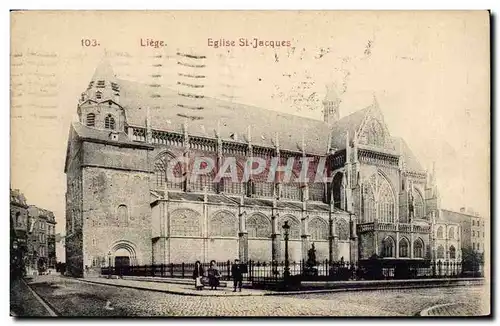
(349, 123)
(228, 117)
(169, 111)
(412, 163)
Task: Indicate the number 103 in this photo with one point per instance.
(89, 42)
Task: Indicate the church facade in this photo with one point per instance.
(124, 208)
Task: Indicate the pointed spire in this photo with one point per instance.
(104, 71)
(375, 101)
(217, 131)
(249, 134)
(331, 93)
(277, 141)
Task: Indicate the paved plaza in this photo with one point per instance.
(70, 297)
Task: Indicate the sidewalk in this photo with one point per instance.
(175, 288)
(454, 309)
(186, 286)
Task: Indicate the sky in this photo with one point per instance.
(428, 70)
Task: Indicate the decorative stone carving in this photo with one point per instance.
(185, 222)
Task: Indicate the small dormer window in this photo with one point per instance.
(91, 120)
(115, 87)
(98, 95)
(90, 85)
(109, 122)
(101, 84)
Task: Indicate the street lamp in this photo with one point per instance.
(286, 272)
(109, 264)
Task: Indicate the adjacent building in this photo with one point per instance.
(32, 233)
(41, 244)
(19, 229)
(123, 207)
(472, 228)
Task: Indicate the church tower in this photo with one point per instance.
(331, 105)
(99, 106)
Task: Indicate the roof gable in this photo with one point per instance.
(373, 130)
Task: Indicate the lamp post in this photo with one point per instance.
(109, 264)
(286, 272)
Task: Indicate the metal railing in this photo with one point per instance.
(266, 272)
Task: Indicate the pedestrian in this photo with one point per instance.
(213, 275)
(197, 275)
(237, 273)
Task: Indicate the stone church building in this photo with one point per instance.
(122, 207)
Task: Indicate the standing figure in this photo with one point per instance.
(237, 273)
(213, 275)
(197, 275)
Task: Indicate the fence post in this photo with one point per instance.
(250, 271)
(171, 269)
(182, 266)
(228, 269)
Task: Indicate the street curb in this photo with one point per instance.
(425, 312)
(50, 309)
(278, 293)
(246, 294)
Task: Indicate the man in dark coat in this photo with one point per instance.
(237, 273)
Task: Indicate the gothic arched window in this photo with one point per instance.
(418, 203)
(91, 119)
(451, 233)
(440, 252)
(342, 229)
(440, 232)
(369, 204)
(161, 166)
(452, 252)
(378, 200)
(258, 226)
(388, 247)
(318, 228)
(109, 122)
(337, 189)
(403, 247)
(418, 248)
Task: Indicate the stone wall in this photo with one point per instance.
(116, 210)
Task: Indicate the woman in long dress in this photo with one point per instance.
(197, 275)
(213, 275)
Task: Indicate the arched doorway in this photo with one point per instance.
(124, 255)
(122, 259)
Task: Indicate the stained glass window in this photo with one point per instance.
(403, 247)
(418, 248)
(388, 247)
(378, 200)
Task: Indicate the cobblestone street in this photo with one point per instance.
(70, 297)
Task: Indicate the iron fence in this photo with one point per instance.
(270, 272)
